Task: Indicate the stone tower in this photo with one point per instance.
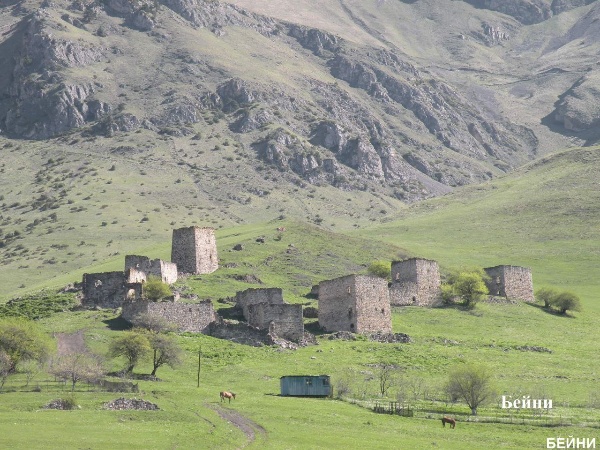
(512, 282)
(356, 303)
(194, 250)
(415, 281)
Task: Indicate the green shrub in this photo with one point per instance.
(381, 269)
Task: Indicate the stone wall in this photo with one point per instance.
(512, 282)
(241, 333)
(415, 281)
(166, 271)
(243, 299)
(373, 312)
(283, 320)
(108, 290)
(403, 294)
(194, 250)
(133, 275)
(355, 303)
(192, 317)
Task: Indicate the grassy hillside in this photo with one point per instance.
(543, 216)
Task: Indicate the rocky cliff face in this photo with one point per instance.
(38, 103)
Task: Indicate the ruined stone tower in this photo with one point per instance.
(194, 250)
(355, 303)
(512, 282)
(415, 281)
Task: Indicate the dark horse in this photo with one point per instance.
(449, 420)
(225, 394)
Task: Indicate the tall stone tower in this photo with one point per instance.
(512, 282)
(194, 250)
(415, 281)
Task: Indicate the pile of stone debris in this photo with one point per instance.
(61, 404)
(130, 403)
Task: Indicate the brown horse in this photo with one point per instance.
(449, 420)
(225, 394)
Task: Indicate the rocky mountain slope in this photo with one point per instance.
(312, 103)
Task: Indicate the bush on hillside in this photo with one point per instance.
(155, 290)
(381, 269)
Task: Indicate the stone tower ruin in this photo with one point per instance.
(194, 250)
(512, 282)
(166, 271)
(355, 303)
(415, 281)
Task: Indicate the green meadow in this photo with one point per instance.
(543, 216)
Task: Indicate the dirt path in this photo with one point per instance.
(247, 426)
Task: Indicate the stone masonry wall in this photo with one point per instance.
(192, 317)
(403, 294)
(285, 320)
(107, 290)
(194, 250)
(336, 304)
(415, 281)
(249, 297)
(512, 282)
(373, 311)
(167, 271)
(354, 303)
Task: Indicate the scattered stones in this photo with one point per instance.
(343, 336)
(238, 247)
(122, 403)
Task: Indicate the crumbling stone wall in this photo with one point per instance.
(512, 282)
(133, 275)
(240, 333)
(192, 317)
(243, 299)
(165, 270)
(283, 320)
(108, 289)
(415, 281)
(194, 250)
(355, 303)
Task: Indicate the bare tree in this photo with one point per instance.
(472, 384)
(30, 368)
(387, 376)
(76, 367)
